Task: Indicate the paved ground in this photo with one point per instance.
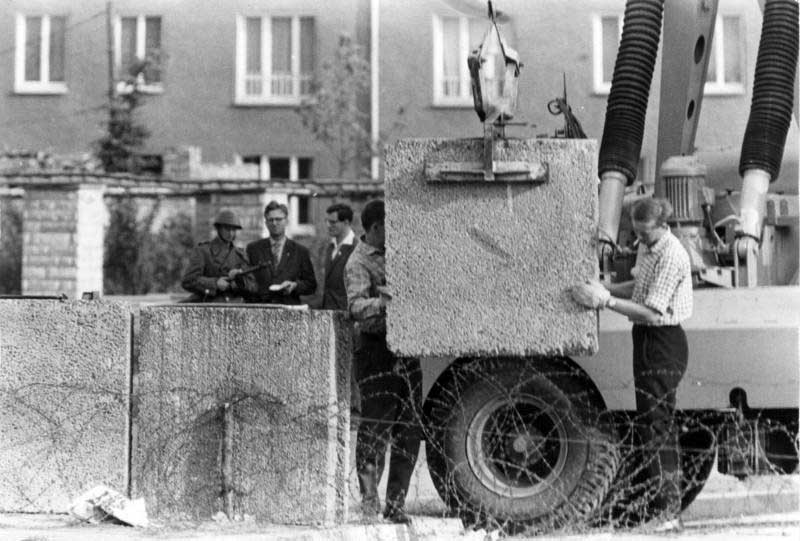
(62, 528)
(755, 509)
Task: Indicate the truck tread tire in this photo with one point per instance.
(518, 443)
(628, 504)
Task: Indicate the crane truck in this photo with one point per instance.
(517, 454)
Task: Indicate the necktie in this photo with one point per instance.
(276, 253)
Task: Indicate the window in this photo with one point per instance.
(725, 65)
(606, 33)
(138, 38)
(453, 39)
(291, 169)
(274, 59)
(40, 56)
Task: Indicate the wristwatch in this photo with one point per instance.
(611, 302)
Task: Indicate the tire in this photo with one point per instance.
(628, 504)
(698, 451)
(516, 443)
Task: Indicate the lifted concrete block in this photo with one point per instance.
(64, 401)
(285, 375)
(482, 268)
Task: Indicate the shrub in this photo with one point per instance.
(138, 261)
(10, 249)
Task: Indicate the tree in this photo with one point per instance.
(117, 149)
(333, 113)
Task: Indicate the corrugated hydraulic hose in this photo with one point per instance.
(773, 89)
(630, 88)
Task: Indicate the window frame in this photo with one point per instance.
(292, 198)
(43, 85)
(240, 59)
(720, 87)
(717, 87)
(599, 86)
(465, 97)
(141, 42)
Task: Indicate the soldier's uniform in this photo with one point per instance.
(213, 259)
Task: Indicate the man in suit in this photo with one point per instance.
(339, 218)
(215, 267)
(287, 271)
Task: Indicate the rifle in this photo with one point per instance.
(253, 268)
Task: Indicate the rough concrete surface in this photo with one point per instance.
(64, 401)
(285, 374)
(483, 268)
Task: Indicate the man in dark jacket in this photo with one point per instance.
(214, 271)
(287, 272)
(343, 240)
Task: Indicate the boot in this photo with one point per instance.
(368, 483)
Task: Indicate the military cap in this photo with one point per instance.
(227, 217)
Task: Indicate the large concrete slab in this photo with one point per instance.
(64, 401)
(483, 268)
(285, 374)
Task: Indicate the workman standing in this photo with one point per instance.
(656, 301)
(390, 386)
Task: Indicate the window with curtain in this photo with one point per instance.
(40, 62)
(275, 58)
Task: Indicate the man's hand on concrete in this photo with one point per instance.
(591, 294)
(223, 284)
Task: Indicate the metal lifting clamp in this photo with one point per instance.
(494, 71)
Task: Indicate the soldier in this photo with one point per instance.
(215, 267)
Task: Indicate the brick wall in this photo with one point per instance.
(62, 235)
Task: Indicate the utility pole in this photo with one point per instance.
(110, 50)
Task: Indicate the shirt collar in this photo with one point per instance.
(660, 244)
(369, 249)
(348, 239)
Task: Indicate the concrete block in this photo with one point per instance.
(483, 268)
(285, 374)
(64, 401)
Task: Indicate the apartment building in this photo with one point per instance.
(233, 71)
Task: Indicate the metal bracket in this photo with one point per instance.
(489, 170)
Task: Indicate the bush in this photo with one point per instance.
(10, 249)
(137, 261)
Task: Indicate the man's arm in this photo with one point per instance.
(622, 290)
(306, 281)
(193, 279)
(635, 311)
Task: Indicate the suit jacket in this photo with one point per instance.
(208, 262)
(334, 296)
(295, 265)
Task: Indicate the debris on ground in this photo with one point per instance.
(104, 504)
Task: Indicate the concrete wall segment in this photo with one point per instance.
(483, 269)
(287, 375)
(64, 401)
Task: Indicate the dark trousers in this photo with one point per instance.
(391, 390)
(660, 355)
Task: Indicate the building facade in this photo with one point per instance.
(230, 75)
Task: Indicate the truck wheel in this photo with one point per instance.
(517, 442)
(628, 501)
(698, 450)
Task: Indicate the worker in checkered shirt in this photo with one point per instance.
(657, 301)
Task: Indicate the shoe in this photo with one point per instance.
(396, 515)
(368, 483)
(673, 525)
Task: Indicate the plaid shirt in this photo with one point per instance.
(663, 280)
(365, 271)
